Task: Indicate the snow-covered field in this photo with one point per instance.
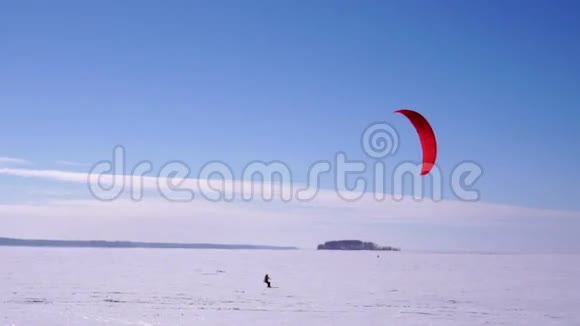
(221, 287)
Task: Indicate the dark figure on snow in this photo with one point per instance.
(267, 280)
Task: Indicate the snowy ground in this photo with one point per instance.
(221, 287)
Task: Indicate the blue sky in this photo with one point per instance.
(296, 82)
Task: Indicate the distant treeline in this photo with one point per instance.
(129, 244)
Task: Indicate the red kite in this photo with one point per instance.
(427, 137)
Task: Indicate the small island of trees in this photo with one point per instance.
(354, 245)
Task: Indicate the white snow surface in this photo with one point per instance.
(42, 286)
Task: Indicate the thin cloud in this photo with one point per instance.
(5, 161)
(147, 182)
(56, 175)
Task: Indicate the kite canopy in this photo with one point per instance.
(426, 136)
